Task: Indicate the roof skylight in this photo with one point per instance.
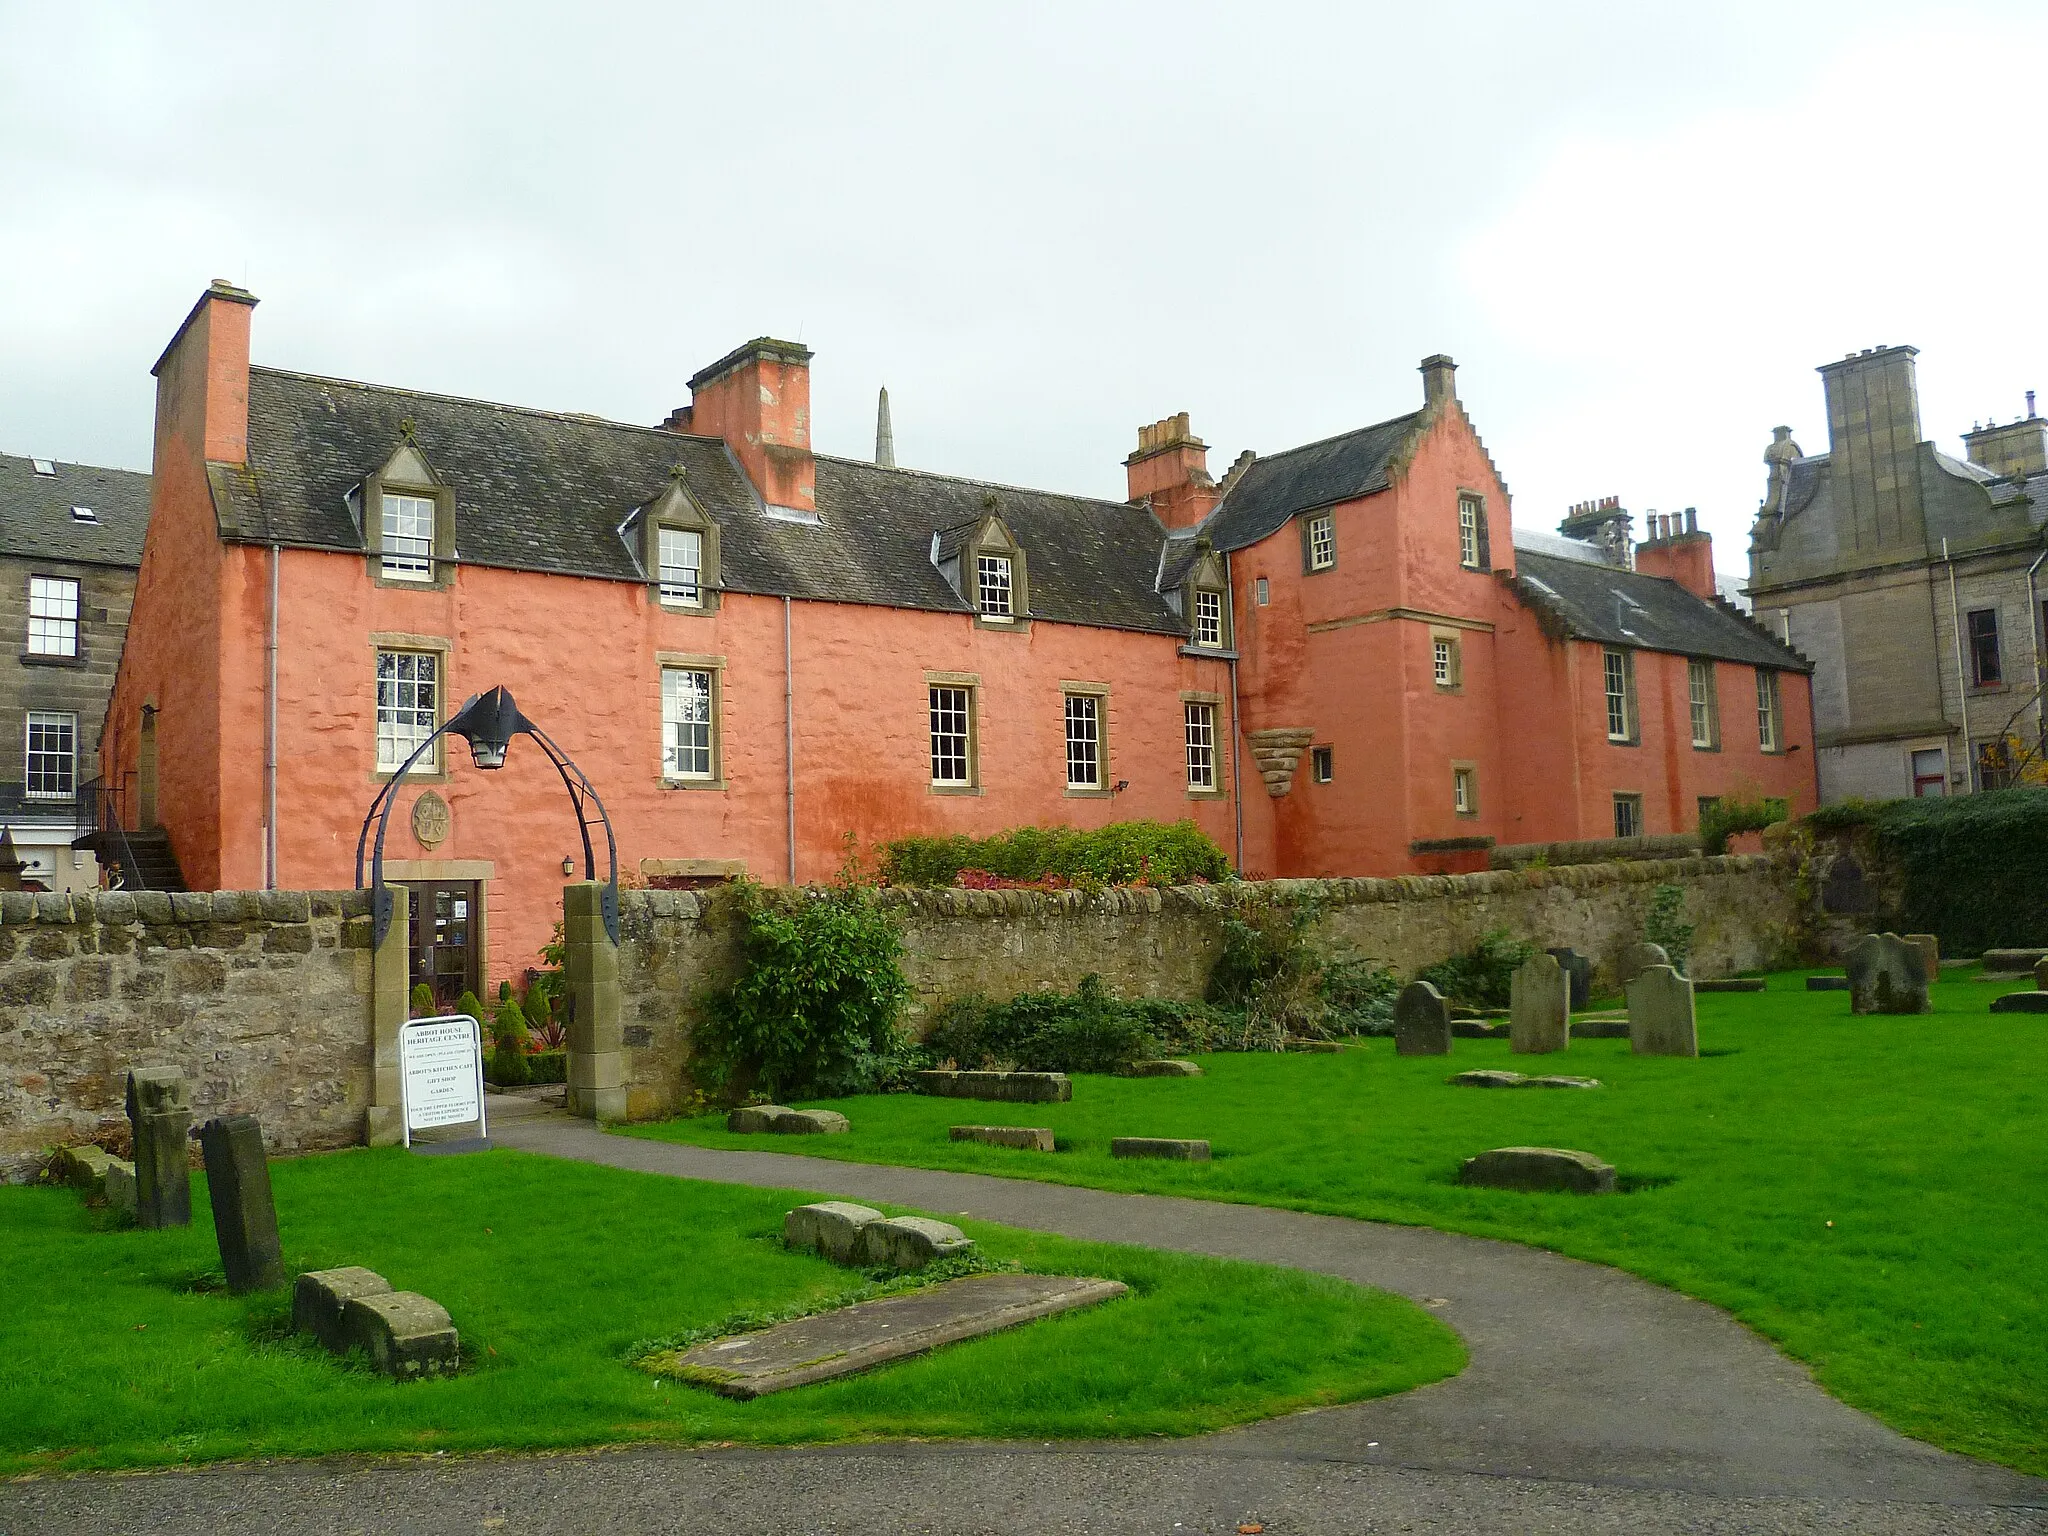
(84, 515)
(44, 466)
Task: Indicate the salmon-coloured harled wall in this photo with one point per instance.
(581, 657)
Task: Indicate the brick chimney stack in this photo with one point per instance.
(1171, 467)
(202, 379)
(1681, 551)
(758, 399)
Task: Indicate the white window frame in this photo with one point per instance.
(689, 725)
(680, 573)
(63, 761)
(1199, 737)
(994, 587)
(404, 553)
(1322, 542)
(1633, 805)
(1322, 764)
(404, 722)
(1702, 703)
(1465, 791)
(951, 713)
(52, 616)
(1618, 684)
(1469, 513)
(1083, 713)
(1770, 722)
(1208, 618)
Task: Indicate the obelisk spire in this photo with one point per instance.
(885, 436)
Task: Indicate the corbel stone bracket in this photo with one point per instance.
(1277, 751)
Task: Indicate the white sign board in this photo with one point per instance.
(441, 1073)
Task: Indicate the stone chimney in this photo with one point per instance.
(885, 433)
(1874, 450)
(758, 399)
(1171, 467)
(1606, 523)
(1439, 380)
(2017, 449)
(202, 379)
(1678, 550)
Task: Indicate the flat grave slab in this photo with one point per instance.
(1827, 983)
(1003, 1087)
(2012, 962)
(1730, 984)
(872, 1333)
(1028, 1138)
(2021, 1002)
(1600, 1029)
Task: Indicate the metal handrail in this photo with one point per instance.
(106, 819)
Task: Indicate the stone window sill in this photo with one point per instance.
(693, 784)
(1209, 653)
(956, 789)
(1079, 792)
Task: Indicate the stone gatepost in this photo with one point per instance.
(390, 1007)
(597, 1061)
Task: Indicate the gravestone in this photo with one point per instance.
(1539, 1169)
(1660, 1014)
(1928, 947)
(911, 1242)
(1026, 1138)
(2041, 975)
(2021, 1002)
(1886, 975)
(1159, 1146)
(1162, 1068)
(1422, 1021)
(1580, 969)
(1638, 958)
(1540, 1007)
(319, 1295)
(830, 1227)
(244, 1215)
(1827, 983)
(160, 1120)
(1487, 1077)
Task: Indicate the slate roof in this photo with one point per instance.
(1277, 487)
(545, 491)
(1617, 607)
(1804, 483)
(1527, 539)
(36, 520)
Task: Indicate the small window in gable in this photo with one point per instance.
(1319, 542)
(678, 549)
(1204, 600)
(410, 522)
(992, 586)
(1209, 618)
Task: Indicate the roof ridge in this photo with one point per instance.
(99, 469)
(1335, 436)
(581, 418)
(990, 485)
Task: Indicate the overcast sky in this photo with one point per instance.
(1638, 227)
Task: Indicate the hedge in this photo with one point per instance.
(1975, 867)
(1122, 853)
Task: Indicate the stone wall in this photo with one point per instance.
(262, 997)
(676, 945)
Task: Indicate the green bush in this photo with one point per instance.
(421, 1002)
(472, 1005)
(1086, 1030)
(1724, 817)
(1483, 976)
(1123, 853)
(548, 1067)
(814, 1012)
(1666, 926)
(1975, 867)
(1359, 994)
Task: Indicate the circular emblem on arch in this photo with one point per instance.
(430, 820)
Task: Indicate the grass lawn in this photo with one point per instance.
(1866, 1191)
(121, 1351)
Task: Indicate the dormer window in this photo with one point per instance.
(408, 545)
(1209, 618)
(994, 586)
(682, 566)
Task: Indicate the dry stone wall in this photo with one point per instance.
(676, 945)
(263, 998)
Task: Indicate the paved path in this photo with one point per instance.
(1593, 1402)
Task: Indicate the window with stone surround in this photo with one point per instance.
(408, 537)
(1618, 671)
(1704, 706)
(952, 736)
(1628, 815)
(1471, 516)
(1986, 668)
(1084, 741)
(1201, 746)
(1769, 715)
(52, 616)
(993, 586)
(1320, 540)
(688, 723)
(1465, 790)
(51, 770)
(1208, 619)
(408, 707)
(1446, 662)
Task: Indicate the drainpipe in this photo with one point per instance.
(1236, 729)
(270, 734)
(789, 734)
(1955, 619)
(2040, 672)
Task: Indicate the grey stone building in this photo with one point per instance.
(1914, 581)
(70, 546)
